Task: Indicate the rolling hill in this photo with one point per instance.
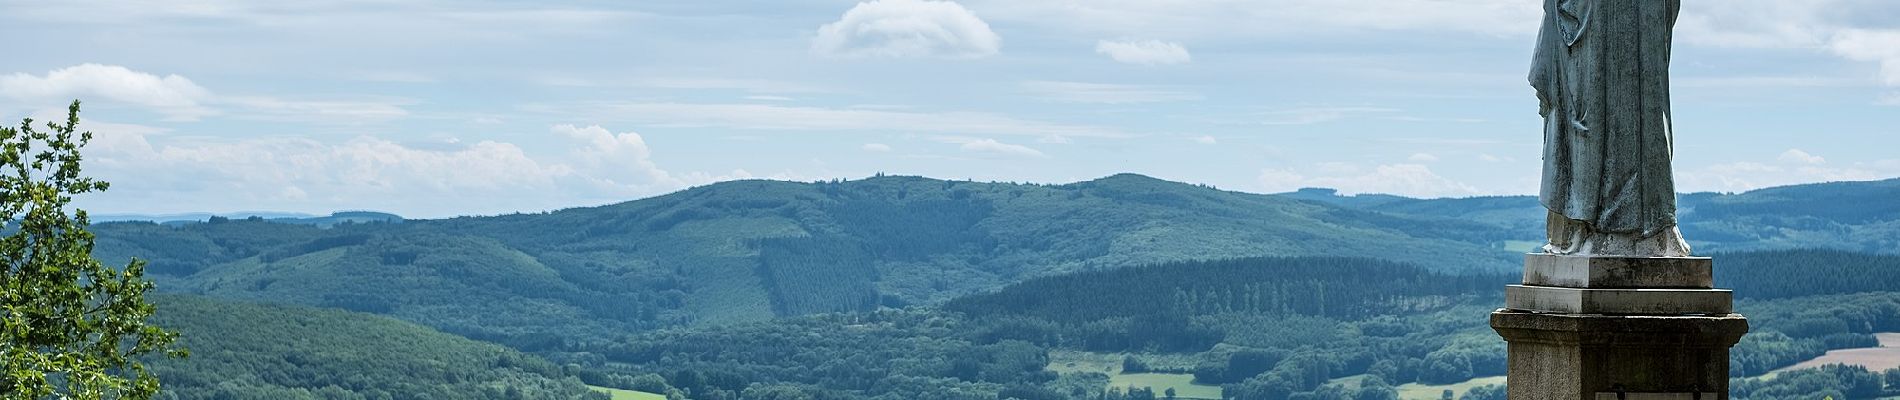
(1854, 216)
(754, 250)
(255, 351)
(906, 285)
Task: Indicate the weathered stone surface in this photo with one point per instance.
(1618, 301)
(1576, 357)
(1601, 71)
(1656, 396)
(1619, 272)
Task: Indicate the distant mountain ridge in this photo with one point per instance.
(1858, 216)
(280, 217)
(714, 287)
(754, 250)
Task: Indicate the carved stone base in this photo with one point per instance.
(1581, 356)
(1618, 301)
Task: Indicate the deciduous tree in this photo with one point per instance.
(70, 326)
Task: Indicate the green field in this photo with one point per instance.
(1522, 246)
(1414, 391)
(1183, 384)
(621, 394)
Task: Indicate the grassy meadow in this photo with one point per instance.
(622, 394)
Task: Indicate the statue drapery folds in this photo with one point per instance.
(1601, 71)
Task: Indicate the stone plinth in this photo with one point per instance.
(1617, 301)
(1619, 272)
(1582, 327)
(1578, 356)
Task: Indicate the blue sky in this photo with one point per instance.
(442, 108)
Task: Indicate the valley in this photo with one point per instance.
(904, 287)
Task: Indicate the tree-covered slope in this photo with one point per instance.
(1304, 319)
(253, 351)
(1855, 216)
(1262, 328)
(751, 250)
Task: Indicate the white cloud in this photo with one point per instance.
(774, 117)
(352, 26)
(1422, 158)
(687, 83)
(992, 147)
(1843, 28)
(349, 111)
(1878, 46)
(1204, 139)
(1254, 19)
(586, 164)
(1746, 176)
(1755, 24)
(1144, 52)
(179, 99)
(619, 162)
(1316, 115)
(1105, 93)
(1411, 180)
(1796, 156)
(877, 147)
(176, 97)
(392, 77)
(1791, 167)
(907, 28)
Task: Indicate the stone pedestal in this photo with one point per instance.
(1586, 327)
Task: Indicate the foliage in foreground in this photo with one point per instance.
(70, 326)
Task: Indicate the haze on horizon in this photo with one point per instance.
(438, 108)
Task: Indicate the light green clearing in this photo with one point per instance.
(1521, 246)
(1183, 385)
(1415, 391)
(621, 394)
(1111, 364)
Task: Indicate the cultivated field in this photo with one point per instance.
(1414, 391)
(619, 394)
(1111, 364)
(1882, 358)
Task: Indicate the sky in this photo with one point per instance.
(438, 108)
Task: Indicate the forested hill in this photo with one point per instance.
(752, 250)
(1856, 216)
(253, 351)
(1258, 328)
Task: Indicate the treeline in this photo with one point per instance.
(811, 275)
(913, 229)
(1345, 288)
(1796, 273)
(185, 249)
(889, 354)
(1827, 382)
(1844, 202)
(255, 351)
(1786, 332)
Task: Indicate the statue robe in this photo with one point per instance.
(1601, 71)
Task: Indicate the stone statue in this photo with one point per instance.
(1601, 72)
